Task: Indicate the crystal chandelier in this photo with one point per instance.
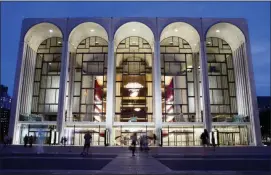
(133, 88)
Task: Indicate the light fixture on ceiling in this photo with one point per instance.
(171, 42)
(92, 30)
(96, 42)
(134, 30)
(133, 88)
(209, 42)
(51, 31)
(217, 31)
(176, 30)
(195, 44)
(137, 109)
(189, 67)
(59, 42)
(50, 63)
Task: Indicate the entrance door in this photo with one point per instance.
(183, 139)
(227, 138)
(123, 138)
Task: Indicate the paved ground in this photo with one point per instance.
(142, 163)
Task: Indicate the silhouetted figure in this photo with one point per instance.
(88, 139)
(204, 138)
(133, 145)
(31, 139)
(6, 140)
(154, 139)
(25, 140)
(65, 141)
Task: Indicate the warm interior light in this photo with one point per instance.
(59, 42)
(176, 30)
(137, 109)
(51, 31)
(133, 88)
(134, 30)
(92, 30)
(217, 31)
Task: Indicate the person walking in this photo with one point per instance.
(25, 140)
(133, 145)
(213, 140)
(88, 139)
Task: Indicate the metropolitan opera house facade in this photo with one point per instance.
(167, 78)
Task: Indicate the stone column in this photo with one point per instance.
(15, 108)
(110, 95)
(196, 86)
(207, 118)
(62, 87)
(71, 86)
(157, 96)
(252, 99)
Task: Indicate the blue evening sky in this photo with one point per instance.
(257, 14)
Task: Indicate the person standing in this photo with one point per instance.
(6, 140)
(31, 139)
(25, 140)
(88, 139)
(204, 138)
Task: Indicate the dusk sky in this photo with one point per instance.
(256, 13)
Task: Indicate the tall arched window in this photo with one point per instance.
(46, 79)
(177, 80)
(134, 80)
(221, 80)
(90, 64)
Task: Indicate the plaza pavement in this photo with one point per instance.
(121, 162)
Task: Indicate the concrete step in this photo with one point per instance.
(153, 150)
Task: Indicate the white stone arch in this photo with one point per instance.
(133, 29)
(236, 40)
(39, 33)
(228, 32)
(182, 30)
(83, 31)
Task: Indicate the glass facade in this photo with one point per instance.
(90, 69)
(134, 81)
(221, 77)
(46, 79)
(177, 80)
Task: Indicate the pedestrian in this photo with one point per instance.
(154, 139)
(204, 139)
(145, 143)
(133, 145)
(31, 139)
(213, 140)
(6, 140)
(141, 143)
(88, 139)
(25, 140)
(65, 141)
(62, 141)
